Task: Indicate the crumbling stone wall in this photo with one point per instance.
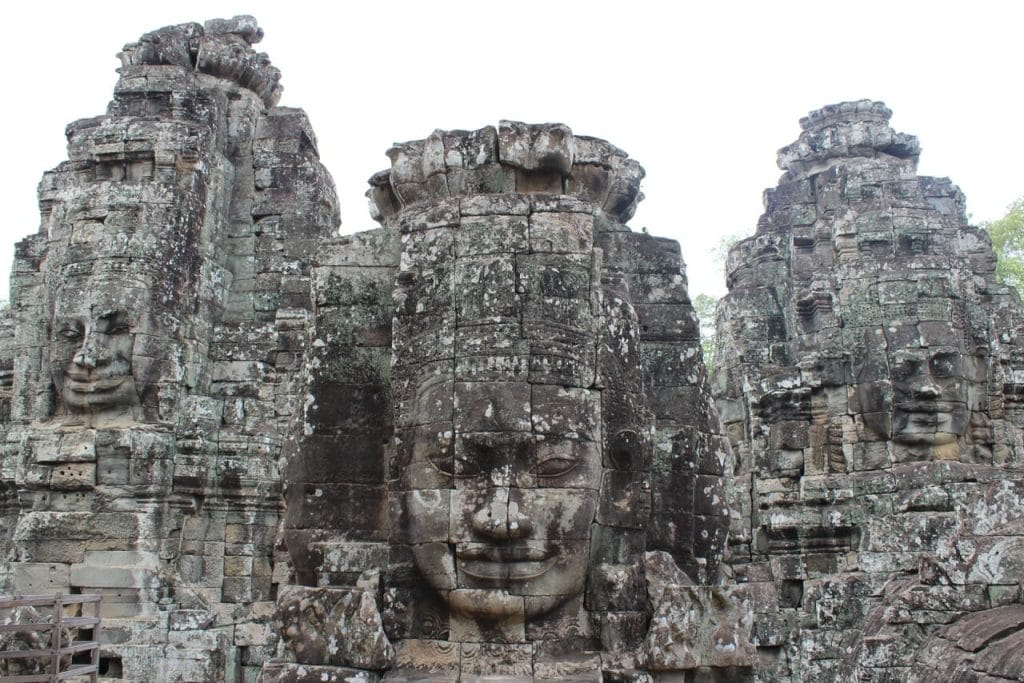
(487, 423)
(161, 315)
(479, 440)
(866, 381)
(509, 435)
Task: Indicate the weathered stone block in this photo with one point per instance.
(492, 407)
(561, 233)
(41, 578)
(701, 626)
(334, 626)
(512, 661)
(71, 476)
(290, 672)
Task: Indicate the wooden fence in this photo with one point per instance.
(60, 653)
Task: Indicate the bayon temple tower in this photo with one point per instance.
(479, 441)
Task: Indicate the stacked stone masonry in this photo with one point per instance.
(869, 381)
(479, 441)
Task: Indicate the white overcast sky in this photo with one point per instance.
(701, 94)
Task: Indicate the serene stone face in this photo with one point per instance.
(517, 506)
(915, 396)
(929, 396)
(543, 362)
(500, 464)
(92, 345)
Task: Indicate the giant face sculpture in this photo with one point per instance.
(914, 395)
(506, 515)
(506, 356)
(93, 338)
(929, 396)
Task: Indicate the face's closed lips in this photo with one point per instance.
(84, 384)
(925, 406)
(499, 563)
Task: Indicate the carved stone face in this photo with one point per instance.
(929, 396)
(520, 514)
(91, 354)
(500, 520)
(920, 400)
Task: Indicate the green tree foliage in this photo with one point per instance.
(705, 305)
(1007, 236)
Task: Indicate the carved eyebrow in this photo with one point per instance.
(110, 314)
(114, 318)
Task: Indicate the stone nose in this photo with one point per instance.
(500, 518)
(927, 389)
(93, 353)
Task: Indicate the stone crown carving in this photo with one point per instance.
(841, 131)
(515, 157)
(220, 47)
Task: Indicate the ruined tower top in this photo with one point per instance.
(869, 357)
(514, 158)
(847, 130)
(220, 48)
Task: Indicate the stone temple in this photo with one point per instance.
(479, 442)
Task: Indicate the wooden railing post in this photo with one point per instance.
(94, 677)
(58, 616)
(58, 648)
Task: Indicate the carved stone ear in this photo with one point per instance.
(625, 450)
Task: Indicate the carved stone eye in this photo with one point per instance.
(113, 322)
(556, 466)
(468, 466)
(442, 462)
(944, 365)
(906, 369)
(463, 466)
(69, 332)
